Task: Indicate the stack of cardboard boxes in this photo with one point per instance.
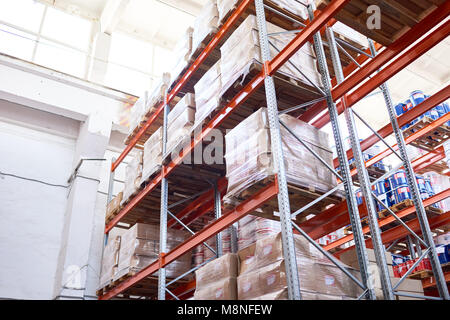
(243, 48)
(207, 93)
(152, 158)
(183, 51)
(249, 160)
(217, 279)
(180, 121)
(207, 22)
(139, 247)
(133, 174)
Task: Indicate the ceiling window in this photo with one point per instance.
(16, 43)
(24, 13)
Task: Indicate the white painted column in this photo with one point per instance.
(79, 262)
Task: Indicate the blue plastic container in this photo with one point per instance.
(402, 193)
(359, 198)
(397, 259)
(381, 187)
(384, 199)
(398, 179)
(417, 97)
(443, 252)
(429, 186)
(421, 184)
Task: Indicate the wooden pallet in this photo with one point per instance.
(374, 172)
(430, 141)
(428, 273)
(397, 17)
(298, 196)
(430, 211)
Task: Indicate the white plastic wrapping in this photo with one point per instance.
(207, 93)
(248, 158)
(140, 247)
(206, 22)
(136, 113)
(109, 261)
(133, 173)
(242, 49)
(152, 158)
(183, 51)
(253, 228)
(180, 121)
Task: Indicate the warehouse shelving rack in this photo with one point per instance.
(334, 90)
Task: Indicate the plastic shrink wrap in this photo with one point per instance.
(133, 173)
(242, 49)
(156, 98)
(180, 121)
(217, 279)
(207, 22)
(207, 93)
(110, 260)
(262, 271)
(293, 6)
(183, 51)
(137, 112)
(248, 158)
(152, 157)
(140, 247)
(252, 228)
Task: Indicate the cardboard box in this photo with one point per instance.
(225, 289)
(349, 257)
(224, 267)
(114, 205)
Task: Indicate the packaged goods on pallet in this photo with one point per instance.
(157, 96)
(252, 228)
(248, 159)
(262, 271)
(140, 247)
(206, 23)
(293, 6)
(114, 205)
(437, 184)
(183, 51)
(133, 174)
(217, 279)
(136, 113)
(152, 158)
(352, 36)
(180, 121)
(110, 260)
(242, 49)
(443, 239)
(207, 93)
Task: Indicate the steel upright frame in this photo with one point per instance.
(279, 187)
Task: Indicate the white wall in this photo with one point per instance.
(35, 145)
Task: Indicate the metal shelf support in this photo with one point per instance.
(415, 194)
(363, 177)
(287, 237)
(355, 220)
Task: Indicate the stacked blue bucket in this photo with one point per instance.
(415, 98)
(395, 189)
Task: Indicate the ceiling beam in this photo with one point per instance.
(111, 15)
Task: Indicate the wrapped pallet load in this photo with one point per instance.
(207, 94)
(136, 113)
(206, 23)
(152, 158)
(133, 174)
(140, 247)
(180, 121)
(262, 272)
(225, 7)
(252, 228)
(183, 51)
(242, 50)
(248, 155)
(217, 279)
(110, 260)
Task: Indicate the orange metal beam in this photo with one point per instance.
(405, 118)
(187, 75)
(201, 236)
(427, 202)
(384, 57)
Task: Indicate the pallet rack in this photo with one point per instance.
(336, 90)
